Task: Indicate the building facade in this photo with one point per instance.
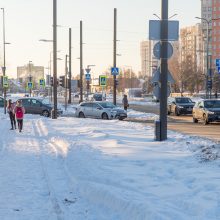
(24, 73)
(215, 31)
(148, 62)
(192, 51)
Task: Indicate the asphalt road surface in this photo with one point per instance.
(184, 124)
(181, 124)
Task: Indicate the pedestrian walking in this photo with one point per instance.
(10, 109)
(216, 94)
(125, 102)
(19, 114)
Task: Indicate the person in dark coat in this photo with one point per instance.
(125, 102)
(10, 109)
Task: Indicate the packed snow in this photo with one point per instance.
(76, 169)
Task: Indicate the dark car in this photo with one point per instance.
(180, 105)
(98, 97)
(207, 111)
(37, 106)
(2, 102)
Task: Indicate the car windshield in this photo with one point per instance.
(107, 105)
(45, 101)
(212, 104)
(183, 100)
(97, 95)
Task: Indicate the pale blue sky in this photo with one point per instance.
(27, 21)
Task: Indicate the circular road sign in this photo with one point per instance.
(156, 50)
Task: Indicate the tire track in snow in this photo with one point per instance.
(55, 204)
(82, 207)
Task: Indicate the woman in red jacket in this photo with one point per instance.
(19, 114)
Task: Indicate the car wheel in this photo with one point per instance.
(81, 115)
(45, 113)
(105, 116)
(205, 120)
(195, 120)
(177, 112)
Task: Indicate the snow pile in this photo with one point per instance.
(73, 168)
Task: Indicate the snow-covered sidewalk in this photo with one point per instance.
(76, 169)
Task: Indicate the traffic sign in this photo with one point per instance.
(156, 77)
(156, 90)
(30, 85)
(88, 76)
(217, 62)
(157, 53)
(87, 70)
(114, 71)
(5, 82)
(42, 82)
(218, 69)
(102, 80)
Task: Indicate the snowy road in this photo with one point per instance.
(91, 169)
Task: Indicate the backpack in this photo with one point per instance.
(19, 112)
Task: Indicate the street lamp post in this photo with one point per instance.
(208, 62)
(54, 111)
(30, 77)
(4, 67)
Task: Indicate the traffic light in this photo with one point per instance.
(209, 84)
(62, 81)
(51, 81)
(78, 83)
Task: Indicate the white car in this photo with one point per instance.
(104, 110)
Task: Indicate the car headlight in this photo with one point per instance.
(114, 111)
(178, 106)
(210, 113)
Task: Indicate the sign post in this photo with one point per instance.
(5, 82)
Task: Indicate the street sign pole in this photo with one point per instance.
(163, 69)
(114, 55)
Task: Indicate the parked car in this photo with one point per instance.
(104, 110)
(180, 105)
(37, 106)
(207, 111)
(98, 97)
(2, 101)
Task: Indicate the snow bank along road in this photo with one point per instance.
(78, 169)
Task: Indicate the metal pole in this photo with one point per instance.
(30, 78)
(4, 67)
(207, 57)
(163, 70)
(114, 54)
(51, 86)
(66, 84)
(81, 64)
(54, 116)
(70, 66)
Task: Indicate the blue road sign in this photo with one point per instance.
(88, 76)
(217, 62)
(219, 69)
(115, 71)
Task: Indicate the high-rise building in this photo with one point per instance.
(25, 72)
(148, 61)
(215, 31)
(192, 47)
